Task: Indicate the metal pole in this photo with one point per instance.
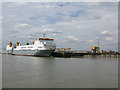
(98, 44)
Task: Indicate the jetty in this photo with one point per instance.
(74, 54)
(67, 53)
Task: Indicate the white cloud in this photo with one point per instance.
(63, 23)
(28, 36)
(61, 1)
(47, 30)
(12, 35)
(92, 4)
(72, 38)
(42, 6)
(100, 1)
(91, 41)
(105, 32)
(22, 3)
(107, 16)
(109, 38)
(21, 25)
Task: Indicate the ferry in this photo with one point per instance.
(40, 47)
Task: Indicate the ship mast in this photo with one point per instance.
(44, 35)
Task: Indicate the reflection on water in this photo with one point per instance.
(49, 72)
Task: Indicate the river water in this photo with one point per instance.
(50, 72)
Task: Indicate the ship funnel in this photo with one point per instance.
(10, 44)
(27, 43)
(17, 44)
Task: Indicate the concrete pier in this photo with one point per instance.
(74, 54)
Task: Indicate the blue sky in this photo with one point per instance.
(77, 25)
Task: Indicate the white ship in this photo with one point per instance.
(41, 47)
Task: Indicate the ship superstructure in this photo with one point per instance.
(41, 47)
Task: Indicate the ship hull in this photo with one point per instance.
(45, 53)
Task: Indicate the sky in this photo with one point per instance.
(76, 25)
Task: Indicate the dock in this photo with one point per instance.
(69, 54)
(76, 53)
(79, 53)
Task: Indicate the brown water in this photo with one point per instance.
(49, 72)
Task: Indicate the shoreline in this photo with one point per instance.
(79, 56)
